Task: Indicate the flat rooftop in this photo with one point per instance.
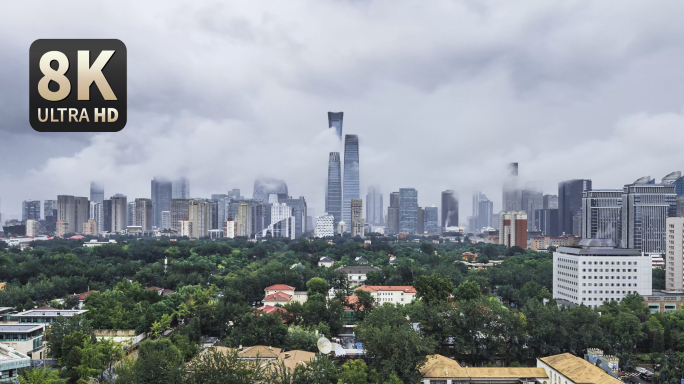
(51, 313)
(20, 327)
(599, 251)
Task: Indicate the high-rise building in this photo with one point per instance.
(161, 200)
(374, 208)
(645, 209)
(50, 214)
(550, 202)
(243, 219)
(229, 229)
(351, 175)
(393, 214)
(299, 212)
(532, 199)
(199, 213)
(357, 221)
(449, 210)
(180, 189)
(408, 210)
(234, 194)
(96, 213)
(32, 227)
(431, 220)
(674, 259)
(107, 215)
(546, 221)
(265, 186)
(602, 214)
(74, 211)
(61, 228)
(333, 197)
(30, 210)
(166, 220)
(676, 179)
(335, 120)
(513, 229)
(485, 212)
(185, 227)
(96, 192)
(512, 197)
(143, 214)
(325, 226)
(130, 214)
(119, 213)
(218, 208)
(570, 195)
(90, 228)
(421, 221)
(179, 211)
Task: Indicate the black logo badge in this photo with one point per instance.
(77, 85)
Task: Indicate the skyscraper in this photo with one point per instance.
(602, 214)
(374, 209)
(333, 198)
(107, 215)
(357, 221)
(532, 199)
(180, 189)
(550, 202)
(546, 221)
(512, 199)
(30, 210)
(645, 209)
(218, 207)
(50, 215)
(143, 214)
(393, 214)
(161, 200)
(431, 220)
(73, 211)
(570, 194)
(449, 209)
(265, 186)
(421, 221)
(96, 192)
(335, 121)
(96, 215)
(408, 211)
(179, 211)
(513, 228)
(485, 212)
(299, 212)
(199, 214)
(119, 212)
(351, 175)
(676, 179)
(130, 214)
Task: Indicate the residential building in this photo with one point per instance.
(350, 187)
(645, 209)
(513, 229)
(544, 242)
(218, 210)
(335, 120)
(357, 274)
(570, 195)
(283, 294)
(512, 197)
(142, 215)
(243, 219)
(449, 210)
(333, 192)
(32, 227)
(24, 338)
(431, 220)
(326, 262)
(374, 207)
(325, 226)
(408, 210)
(602, 214)
(393, 214)
(74, 211)
(229, 228)
(546, 221)
(199, 213)
(119, 213)
(96, 213)
(185, 228)
(161, 200)
(165, 219)
(90, 228)
(179, 211)
(11, 362)
(674, 257)
(30, 210)
(597, 271)
(180, 188)
(357, 222)
(395, 294)
(61, 228)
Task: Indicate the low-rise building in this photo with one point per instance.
(44, 316)
(25, 338)
(95, 243)
(439, 369)
(570, 369)
(357, 274)
(283, 294)
(161, 291)
(126, 337)
(664, 302)
(325, 261)
(538, 243)
(395, 294)
(11, 362)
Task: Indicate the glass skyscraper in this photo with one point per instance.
(333, 198)
(96, 192)
(570, 194)
(265, 186)
(449, 209)
(374, 209)
(161, 200)
(180, 189)
(408, 210)
(351, 176)
(335, 121)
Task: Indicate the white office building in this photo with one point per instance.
(597, 271)
(325, 226)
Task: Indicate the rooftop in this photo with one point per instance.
(20, 328)
(358, 269)
(278, 296)
(598, 251)
(326, 259)
(51, 313)
(441, 366)
(376, 288)
(280, 287)
(578, 369)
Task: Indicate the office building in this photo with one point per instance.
(299, 211)
(550, 202)
(179, 211)
(449, 210)
(645, 209)
(674, 257)
(513, 229)
(30, 210)
(431, 220)
(265, 186)
(374, 207)
(199, 214)
(219, 208)
(50, 216)
(333, 192)
(73, 211)
(325, 226)
(283, 221)
(234, 194)
(96, 213)
(350, 187)
(408, 211)
(357, 221)
(229, 229)
(602, 214)
(598, 272)
(532, 199)
(106, 225)
(570, 195)
(675, 179)
(161, 200)
(119, 213)
(546, 221)
(421, 221)
(166, 220)
(477, 196)
(393, 214)
(96, 192)
(90, 228)
(130, 214)
(180, 189)
(335, 120)
(32, 228)
(142, 214)
(485, 211)
(512, 198)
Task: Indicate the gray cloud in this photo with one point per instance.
(441, 96)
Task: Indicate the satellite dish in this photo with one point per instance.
(324, 345)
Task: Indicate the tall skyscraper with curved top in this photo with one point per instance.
(335, 121)
(333, 198)
(351, 176)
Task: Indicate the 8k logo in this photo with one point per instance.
(77, 85)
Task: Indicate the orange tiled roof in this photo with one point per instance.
(280, 287)
(82, 296)
(278, 296)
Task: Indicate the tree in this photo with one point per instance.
(353, 372)
(317, 285)
(42, 375)
(515, 249)
(363, 305)
(432, 289)
(468, 290)
(63, 326)
(159, 362)
(226, 368)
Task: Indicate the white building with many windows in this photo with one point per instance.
(596, 271)
(325, 226)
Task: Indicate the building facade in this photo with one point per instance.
(350, 187)
(199, 214)
(546, 221)
(142, 215)
(119, 213)
(570, 195)
(512, 199)
(74, 211)
(408, 211)
(30, 210)
(333, 197)
(180, 188)
(431, 220)
(602, 214)
(374, 207)
(325, 226)
(161, 200)
(645, 209)
(335, 120)
(674, 257)
(357, 221)
(513, 229)
(449, 209)
(393, 214)
(179, 211)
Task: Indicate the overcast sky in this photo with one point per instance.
(442, 95)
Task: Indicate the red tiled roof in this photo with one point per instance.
(376, 288)
(353, 299)
(280, 287)
(153, 288)
(278, 296)
(271, 309)
(83, 295)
